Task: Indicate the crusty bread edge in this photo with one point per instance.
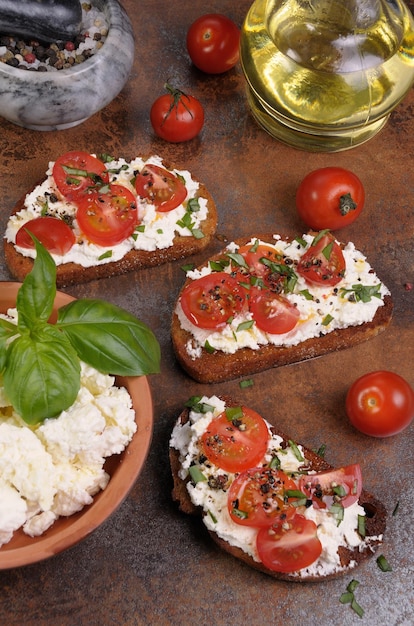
(375, 523)
(217, 366)
(73, 273)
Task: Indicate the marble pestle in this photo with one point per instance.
(48, 20)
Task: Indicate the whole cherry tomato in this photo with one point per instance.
(213, 43)
(177, 117)
(380, 404)
(330, 197)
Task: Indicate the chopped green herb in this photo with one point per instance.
(327, 251)
(218, 266)
(275, 462)
(196, 405)
(339, 490)
(105, 255)
(245, 325)
(383, 564)
(213, 517)
(208, 347)
(188, 267)
(140, 228)
(240, 514)
(337, 511)
(296, 451)
(361, 525)
(238, 259)
(234, 413)
(160, 231)
(397, 506)
(196, 474)
(243, 384)
(362, 293)
(301, 242)
(193, 205)
(306, 294)
(348, 598)
(321, 450)
(327, 320)
(197, 233)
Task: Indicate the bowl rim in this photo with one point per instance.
(67, 532)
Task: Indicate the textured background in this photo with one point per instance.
(149, 564)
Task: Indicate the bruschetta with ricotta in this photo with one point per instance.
(101, 217)
(268, 301)
(267, 500)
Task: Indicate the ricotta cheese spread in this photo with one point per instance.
(213, 501)
(155, 231)
(322, 308)
(55, 468)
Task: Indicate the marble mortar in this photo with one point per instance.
(65, 98)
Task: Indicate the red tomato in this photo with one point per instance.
(77, 172)
(380, 404)
(289, 546)
(257, 497)
(56, 236)
(342, 485)
(256, 257)
(107, 218)
(213, 43)
(177, 117)
(211, 301)
(160, 187)
(330, 197)
(323, 263)
(272, 313)
(236, 439)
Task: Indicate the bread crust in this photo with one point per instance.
(375, 523)
(73, 273)
(213, 367)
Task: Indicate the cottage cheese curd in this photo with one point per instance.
(56, 467)
(156, 229)
(185, 439)
(323, 310)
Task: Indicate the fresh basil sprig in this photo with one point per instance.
(40, 361)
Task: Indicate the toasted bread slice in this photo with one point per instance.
(212, 366)
(73, 273)
(349, 558)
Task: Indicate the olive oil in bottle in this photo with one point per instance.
(324, 75)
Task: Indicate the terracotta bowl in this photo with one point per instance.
(65, 98)
(123, 469)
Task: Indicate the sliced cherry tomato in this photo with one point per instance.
(236, 440)
(177, 117)
(330, 197)
(161, 187)
(342, 485)
(108, 218)
(212, 300)
(289, 546)
(272, 312)
(78, 172)
(257, 497)
(259, 257)
(380, 404)
(56, 236)
(323, 262)
(213, 43)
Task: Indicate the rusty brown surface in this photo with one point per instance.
(149, 564)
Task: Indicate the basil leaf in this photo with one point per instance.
(109, 338)
(37, 294)
(42, 377)
(7, 331)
